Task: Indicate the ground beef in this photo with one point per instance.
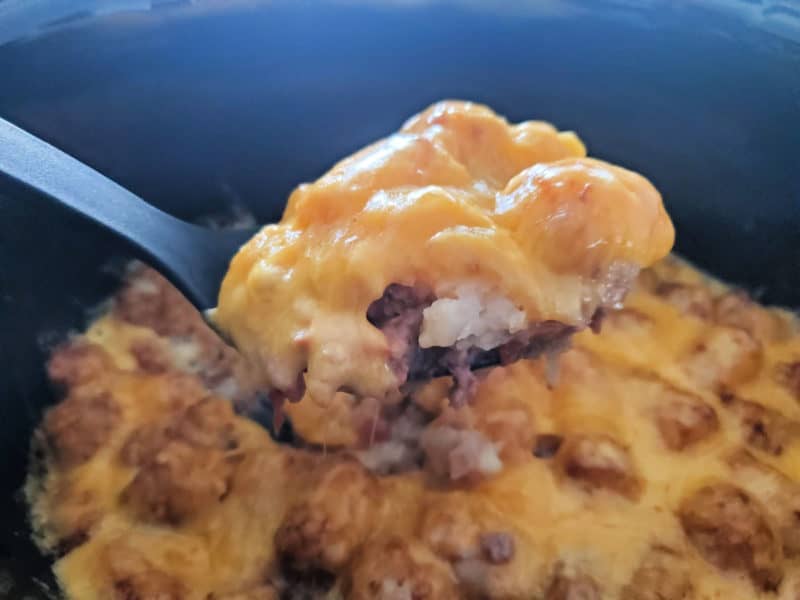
(597, 461)
(730, 529)
(547, 337)
(76, 428)
(538, 339)
(764, 428)
(684, 420)
(396, 301)
(398, 313)
(328, 527)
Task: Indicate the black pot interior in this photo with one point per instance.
(201, 110)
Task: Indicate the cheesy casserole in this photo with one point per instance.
(658, 460)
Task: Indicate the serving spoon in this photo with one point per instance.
(193, 258)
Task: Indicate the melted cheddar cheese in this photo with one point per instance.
(457, 195)
(691, 392)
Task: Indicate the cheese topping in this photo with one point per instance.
(639, 475)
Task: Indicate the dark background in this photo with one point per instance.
(199, 109)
